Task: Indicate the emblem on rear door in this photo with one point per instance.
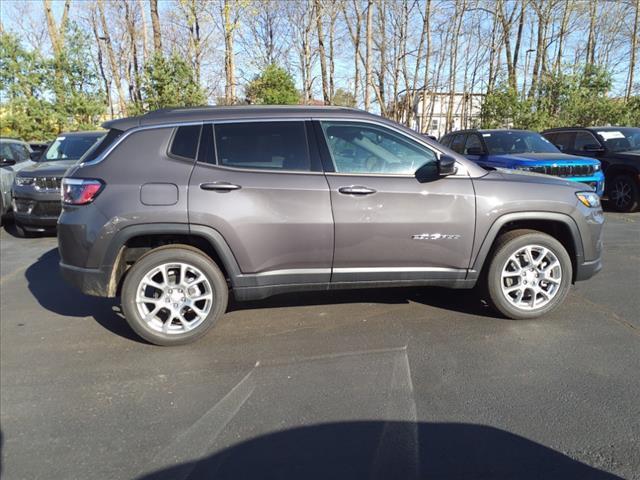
(434, 236)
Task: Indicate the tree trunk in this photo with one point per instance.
(321, 52)
(367, 66)
(229, 59)
(145, 33)
(56, 34)
(103, 76)
(634, 50)
(115, 71)
(563, 32)
(591, 41)
(155, 24)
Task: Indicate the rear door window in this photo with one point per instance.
(564, 141)
(473, 142)
(263, 145)
(457, 145)
(584, 139)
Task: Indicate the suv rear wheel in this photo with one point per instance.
(623, 193)
(173, 295)
(529, 275)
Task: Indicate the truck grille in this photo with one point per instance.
(48, 183)
(566, 170)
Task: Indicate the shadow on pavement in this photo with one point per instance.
(53, 293)
(56, 295)
(463, 301)
(386, 450)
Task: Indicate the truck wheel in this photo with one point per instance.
(529, 275)
(173, 295)
(623, 193)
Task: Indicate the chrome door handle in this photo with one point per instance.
(356, 190)
(220, 186)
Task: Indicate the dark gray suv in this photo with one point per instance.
(175, 208)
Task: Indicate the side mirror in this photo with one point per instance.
(593, 148)
(6, 162)
(35, 156)
(475, 151)
(446, 166)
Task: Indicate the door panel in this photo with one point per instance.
(404, 225)
(277, 222)
(390, 226)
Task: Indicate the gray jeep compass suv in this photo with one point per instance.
(175, 208)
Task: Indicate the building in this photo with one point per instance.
(430, 112)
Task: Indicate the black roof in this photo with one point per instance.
(489, 130)
(601, 129)
(199, 114)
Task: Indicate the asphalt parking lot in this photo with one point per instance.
(401, 383)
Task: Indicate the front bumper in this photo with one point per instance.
(34, 208)
(596, 182)
(36, 213)
(586, 270)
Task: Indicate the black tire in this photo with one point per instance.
(507, 245)
(169, 254)
(22, 232)
(623, 193)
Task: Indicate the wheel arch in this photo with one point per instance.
(131, 243)
(558, 225)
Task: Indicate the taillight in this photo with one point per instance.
(80, 191)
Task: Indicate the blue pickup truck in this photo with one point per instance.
(524, 150)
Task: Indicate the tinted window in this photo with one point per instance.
(583, 139)
(101, 146)
(7, 152)
(621, 139)
(515, 142)
(563, 141)
(262, 145)
(69, 147)
(458, 143)
(21, 153)
(473, 141)
(445, 140)
(185, 141)
(205, 153)
(363, 148)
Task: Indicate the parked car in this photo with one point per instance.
(38, 149)
(617, 148)
(36, 189)
(15, 155)
(176, 206)
(525, 151)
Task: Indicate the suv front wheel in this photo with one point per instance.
(529, 275)
(173, 295)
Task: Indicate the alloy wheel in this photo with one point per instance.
(531, 277)
(174, 298)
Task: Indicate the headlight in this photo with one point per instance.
(589, 199)
(25, 181)
(596, 168)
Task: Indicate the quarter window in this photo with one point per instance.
(359, 148)
(262, 145)
(185, 141)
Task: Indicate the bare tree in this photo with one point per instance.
(634, 49)
(155, 24)
(368, 50)
(317, 7)
(115, 72)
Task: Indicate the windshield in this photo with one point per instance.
(514, 142)
(621, 140)
(70, 147)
